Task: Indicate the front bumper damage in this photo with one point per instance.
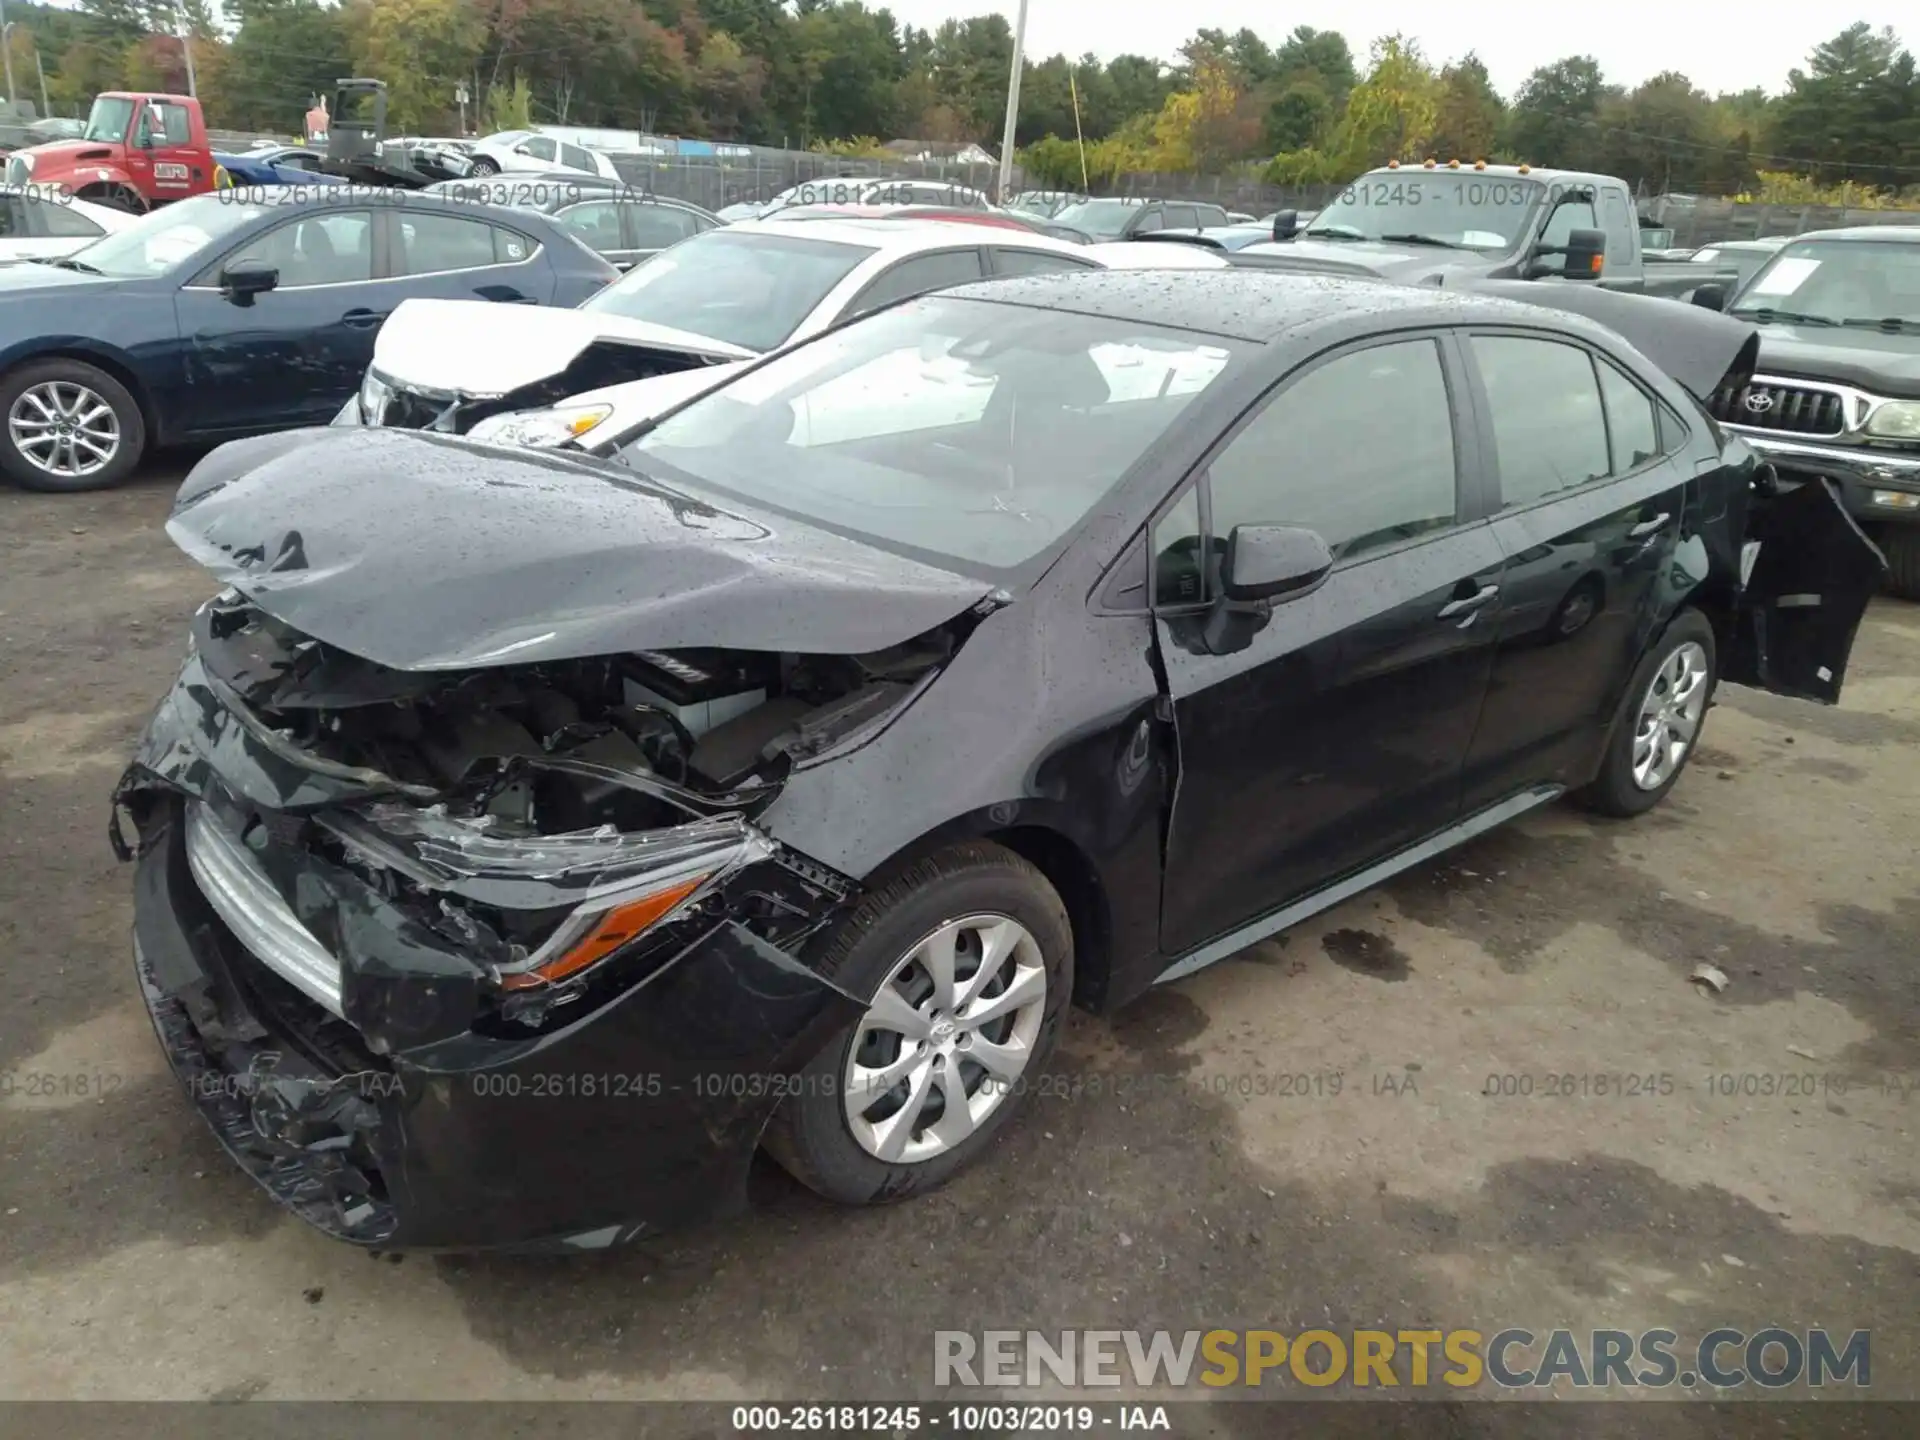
(306, 943)
(1874, 483)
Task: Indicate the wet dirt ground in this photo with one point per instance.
(1404, 1113)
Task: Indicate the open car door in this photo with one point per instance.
(1810, 572)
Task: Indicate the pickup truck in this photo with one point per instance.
(1835, 394)
(1433, 224)
(138, 150)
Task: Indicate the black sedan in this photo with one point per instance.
(614, 220)
(240, 312)
(780, 781)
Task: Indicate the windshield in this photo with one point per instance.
(1102, 219)
(1838, 282)
(1479, 211)
(748, 290)
(166, 238)
(962, 430)
(109, 118)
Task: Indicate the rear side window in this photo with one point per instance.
(1633, 421)
(1548, 427)
(433, 244)
(578, 158)
(1359, 449)
(1035, 262)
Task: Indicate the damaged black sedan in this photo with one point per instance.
(532, 838)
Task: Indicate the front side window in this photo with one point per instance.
(918, 276)
(746, 289)
(655, 227)
(1567, 217)
(168, 124)
(328, 249)
(972, 432)
(1548, 428)
(1359, 450)
(540, 148)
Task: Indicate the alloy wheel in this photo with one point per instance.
(946, 1039)
(64, 428)
(1669, 716)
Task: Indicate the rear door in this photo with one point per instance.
(1589, 497)
(1811, 574)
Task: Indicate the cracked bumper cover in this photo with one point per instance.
(405, 1116)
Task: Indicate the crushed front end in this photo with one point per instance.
(487, 958)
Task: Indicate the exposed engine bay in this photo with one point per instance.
(568, 745)
(602, 364)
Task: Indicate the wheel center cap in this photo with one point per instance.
(943, 1031)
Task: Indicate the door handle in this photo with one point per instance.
(1470, 604)
(1649, 527)
(362, 319)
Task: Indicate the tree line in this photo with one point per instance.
(833, 74)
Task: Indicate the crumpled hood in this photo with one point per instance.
(478, 349)
(1870, 359)
(425, 552)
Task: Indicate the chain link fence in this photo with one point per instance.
(1697, 221)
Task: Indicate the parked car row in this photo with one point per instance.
(983, 629)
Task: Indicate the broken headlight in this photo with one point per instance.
(608, 887)
(542, 429)
(374, 395)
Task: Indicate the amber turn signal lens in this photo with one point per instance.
(615, 928)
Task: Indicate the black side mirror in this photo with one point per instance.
(1584, 252)
(1266, 562)
(1286, 224)
(244, 279)
(1711, 297)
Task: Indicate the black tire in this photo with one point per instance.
(1614, 790)
(484, 165)
(810, 1135)
(116, 197)
(1901, 545)
(126, 413)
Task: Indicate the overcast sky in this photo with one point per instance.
(1720, 46)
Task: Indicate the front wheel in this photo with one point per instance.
(68, 426)
(1659, 720)
(1901, 545)
(968, 957)
(484, 165)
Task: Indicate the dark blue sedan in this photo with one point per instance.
(240, 312)
(276, 165)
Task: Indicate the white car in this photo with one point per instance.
(39, 224)
(526, 150)
(693, 313)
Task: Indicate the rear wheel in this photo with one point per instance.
(968, 956)
(68, 426)
(1659, 720)
(1901, 545)
(116, 197)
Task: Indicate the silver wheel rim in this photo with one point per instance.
(64, 428)
(947, 1037)
(1670, 714)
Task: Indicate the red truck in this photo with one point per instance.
(138, 151)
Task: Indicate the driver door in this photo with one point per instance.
(1320, 738)
(165, 162)
(293, 355)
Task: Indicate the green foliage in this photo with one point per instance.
(831, 73)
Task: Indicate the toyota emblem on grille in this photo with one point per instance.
(1759, 401)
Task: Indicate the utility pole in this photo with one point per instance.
(1013, 103)
(460, 94)
(6, 48)
(40, 70)
(186, 46)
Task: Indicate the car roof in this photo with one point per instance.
(1504, 172)
(1906, 234)
(1251, 305)
(901, 235)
